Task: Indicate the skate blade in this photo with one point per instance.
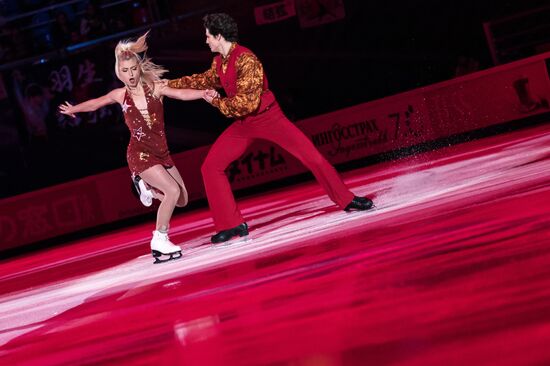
(163, 258)
(372, 208)
(233, 241)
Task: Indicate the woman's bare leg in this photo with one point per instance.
(157, 194)
(183, 198)
(160, 179)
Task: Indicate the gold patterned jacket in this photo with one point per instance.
(250, 82)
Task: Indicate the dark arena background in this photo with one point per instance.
(437, 110)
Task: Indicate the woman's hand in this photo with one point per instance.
(67, 109)
(161, 86)
(210, 94)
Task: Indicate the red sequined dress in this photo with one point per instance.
(148, 146)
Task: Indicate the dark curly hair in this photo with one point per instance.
(222, 23)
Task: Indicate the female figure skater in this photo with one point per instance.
(147, 154)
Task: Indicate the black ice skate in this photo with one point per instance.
(359, 204)
(225, 235)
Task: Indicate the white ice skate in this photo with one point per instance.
(163, 249)
(145, 194)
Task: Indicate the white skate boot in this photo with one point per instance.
(163, 249)
(145, 194)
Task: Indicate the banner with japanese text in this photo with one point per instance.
(40, 88)
(274, 12)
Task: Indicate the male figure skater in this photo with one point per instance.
(257, 116)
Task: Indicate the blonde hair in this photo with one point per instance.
(126, 50)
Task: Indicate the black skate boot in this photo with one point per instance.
(225, 235)
(359, 204)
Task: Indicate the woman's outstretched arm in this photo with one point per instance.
(114, 96)
(181, 94)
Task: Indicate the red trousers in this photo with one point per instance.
(271, 125)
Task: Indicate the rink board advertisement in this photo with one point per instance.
(505, 93)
